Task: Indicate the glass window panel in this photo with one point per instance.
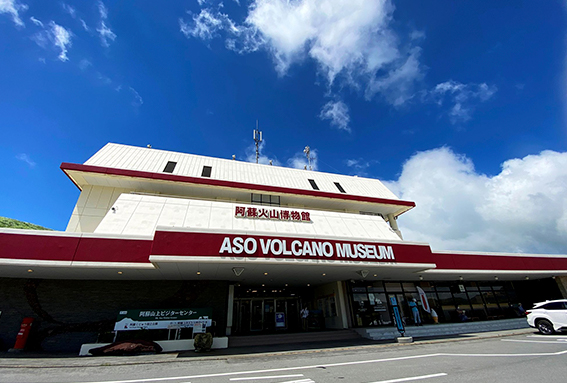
(478, 309)
(380, 313)
(554, 306)
(461, 299)
(409, 287)
(360, 297)
(447, 305)
(512, 296)
(392, 287)
(427, 286)
(492, 308)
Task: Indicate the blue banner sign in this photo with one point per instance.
(397, 316)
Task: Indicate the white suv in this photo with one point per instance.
(549, 316)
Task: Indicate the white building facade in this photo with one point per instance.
(255, 243)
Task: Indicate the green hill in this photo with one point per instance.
(15, 224)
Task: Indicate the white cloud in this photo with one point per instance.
(205, 25)
(70, 10)
(359, 166)
(102, 10)
(61, 38)
(350, 39)
(84, 24)
(36, 21)
(25, 158)
(299, 160)
(250, 153)
(337, 112)
(106, 34)
(104, 79)
(462, 97)
(13, 8)
(522, 209)
(137, 101)
(84, 64)
(397, 86)
(58, 36)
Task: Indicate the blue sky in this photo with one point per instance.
(459, 106)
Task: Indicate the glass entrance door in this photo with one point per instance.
(266, 315)
(257, 315)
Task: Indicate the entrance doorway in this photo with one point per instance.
(266, 315)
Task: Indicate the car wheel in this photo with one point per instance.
(545, 327)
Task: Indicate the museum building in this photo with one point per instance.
(251, 244)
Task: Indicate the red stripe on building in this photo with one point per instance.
(229, 184)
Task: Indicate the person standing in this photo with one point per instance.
(304, 318)
(415, 311)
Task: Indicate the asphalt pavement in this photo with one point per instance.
(45, 360)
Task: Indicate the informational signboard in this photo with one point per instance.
(280, 320)
(272, 214)
(198, 244)
(129, 320)
(199, 328)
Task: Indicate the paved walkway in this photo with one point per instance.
(42, 360)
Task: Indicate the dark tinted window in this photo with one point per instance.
(206, 171)
(314, 185)
(169, 167)
(265, 199)
(554, 306)
(338, 185)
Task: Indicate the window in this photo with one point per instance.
(265, 199)
(169, 167)
(206, 171)
(554, 306)
(314, 185)
(338, 185)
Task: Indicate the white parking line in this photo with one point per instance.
(548, 336)
(268, 377)
(412, 378)
(559, 341)
(334, 365)
(300, 381)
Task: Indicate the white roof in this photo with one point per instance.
(154, 161)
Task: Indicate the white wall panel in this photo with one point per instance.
(140, 214)
(221, 217)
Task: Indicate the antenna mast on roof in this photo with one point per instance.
(307, 152)
(257, 141)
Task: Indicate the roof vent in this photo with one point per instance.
(206, 171)
(314, 185)
(169, 167)
(338, 185)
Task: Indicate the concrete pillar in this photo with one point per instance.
(230, 310)
(341, 305)
(562, 284)
(394, 225)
